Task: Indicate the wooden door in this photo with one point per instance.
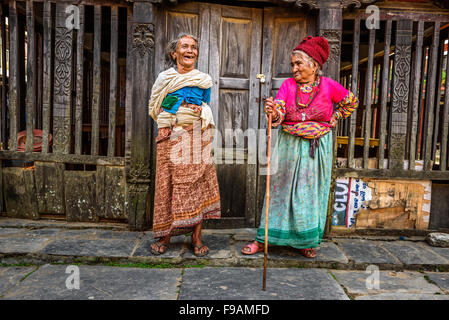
(234, 62)
(235, 45)
(283, 30)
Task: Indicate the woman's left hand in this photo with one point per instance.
(333, 121)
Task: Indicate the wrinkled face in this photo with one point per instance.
(186, 53)
(302, 72)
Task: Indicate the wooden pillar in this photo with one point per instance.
(141, 66)
(400, 94)
(62, 82)
(14, 76)
(330, 24)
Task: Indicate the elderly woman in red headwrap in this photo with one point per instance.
(300, 188)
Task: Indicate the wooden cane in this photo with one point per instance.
(267, 204)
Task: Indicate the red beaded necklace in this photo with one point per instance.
(314, 89)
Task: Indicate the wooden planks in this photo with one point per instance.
(79, 81)
(113, 77)
(384, 95)
(80, 203)
(95, 134)
(49, 179)
(20, 193)
(110, 192)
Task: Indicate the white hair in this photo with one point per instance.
(173, 44)
(308, 59)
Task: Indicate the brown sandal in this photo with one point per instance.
(159, 245)
(200, 254)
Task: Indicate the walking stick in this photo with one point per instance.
(267, 204)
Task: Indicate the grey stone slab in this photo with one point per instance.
(125, 235)
(21, 245)
(219, 246)
(90, 248)
(11, 276)
(174, 250)
(413, 253)
(98, 283)
(389, 281)
(365, 251)
(10, 231)
(404, 296)
(45, 232)
(440, 278)
(246, 284)
(82, 233)
(443, 252)
(326, 252)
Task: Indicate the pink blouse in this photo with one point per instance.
(313, 120)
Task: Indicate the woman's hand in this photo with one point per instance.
(333, 121)
(196, 108)
(270, 108)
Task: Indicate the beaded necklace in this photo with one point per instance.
(307, 89)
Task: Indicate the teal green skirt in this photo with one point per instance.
(299, 193)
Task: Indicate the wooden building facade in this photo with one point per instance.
(76, 139)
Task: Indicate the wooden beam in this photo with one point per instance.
(384, 96)
(113, 81)
(400, 94)
(430, 98)
(393, 174)
(96, 94)
(368, 96)
(14, 72)
(3, 140)
(416, 94)
(60, 157)
(47, 77)
(79, 81)
(354, 79)
(31, 76)
(142, 65)
(62, 82)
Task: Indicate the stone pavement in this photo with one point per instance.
(117, 264)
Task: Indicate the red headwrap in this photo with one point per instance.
(315, 47)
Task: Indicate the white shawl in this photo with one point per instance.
(169, 81)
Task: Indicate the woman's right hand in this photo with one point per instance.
(270, 107)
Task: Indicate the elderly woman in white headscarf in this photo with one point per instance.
(186, 187)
